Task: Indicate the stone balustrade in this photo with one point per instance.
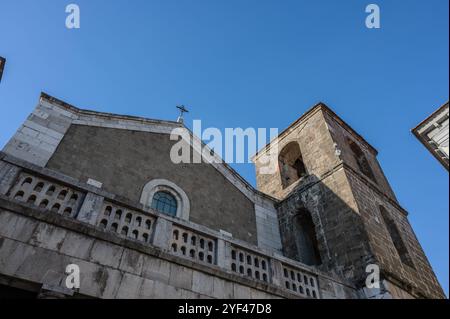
(190, 244)
(251, 265)
(72, 199)
(46, 195)
(300, 282)
(126, 222)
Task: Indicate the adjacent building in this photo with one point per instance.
(100, 191)
(433, 134)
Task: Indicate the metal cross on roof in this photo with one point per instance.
(183, 110)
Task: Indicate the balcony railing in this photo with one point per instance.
(175, 236)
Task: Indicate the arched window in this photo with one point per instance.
(361, 160)
(165, 202)
(291, 164)
(396, 237)
(166, 197)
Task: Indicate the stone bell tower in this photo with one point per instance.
(337, 210)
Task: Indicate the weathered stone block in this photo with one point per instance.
(147, 289)
(156, 269)
(13, 255)
(241, 292)
(48, 236)
(16, 227)
(202, 283)
(132, 262)
(77, 245)
(106, 254)
(130, 287)
(222, 289)
(180, 277)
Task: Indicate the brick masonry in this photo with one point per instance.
(344, 206)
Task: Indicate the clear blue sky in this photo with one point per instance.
(248, 63)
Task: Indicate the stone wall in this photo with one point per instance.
(36, 247)
(369, 195)
(124, 161)
(37, 138)
(343, 201)
(317, 150)
(326, 195)
(342, 240)
(38, 252)
(340, 133)
(420, 279)
(49, 220)
(245, 213)
(267, 225)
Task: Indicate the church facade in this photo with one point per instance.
(98, 192)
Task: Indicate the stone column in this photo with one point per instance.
(162, 233)
(8, 175)
(223, 254)
(90, 209)
(276, 276)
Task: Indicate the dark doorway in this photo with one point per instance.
(305, 239)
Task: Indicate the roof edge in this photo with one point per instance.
(318, 106)
(75, 109)
(440, 109)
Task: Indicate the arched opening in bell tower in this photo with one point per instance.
(291, 164)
